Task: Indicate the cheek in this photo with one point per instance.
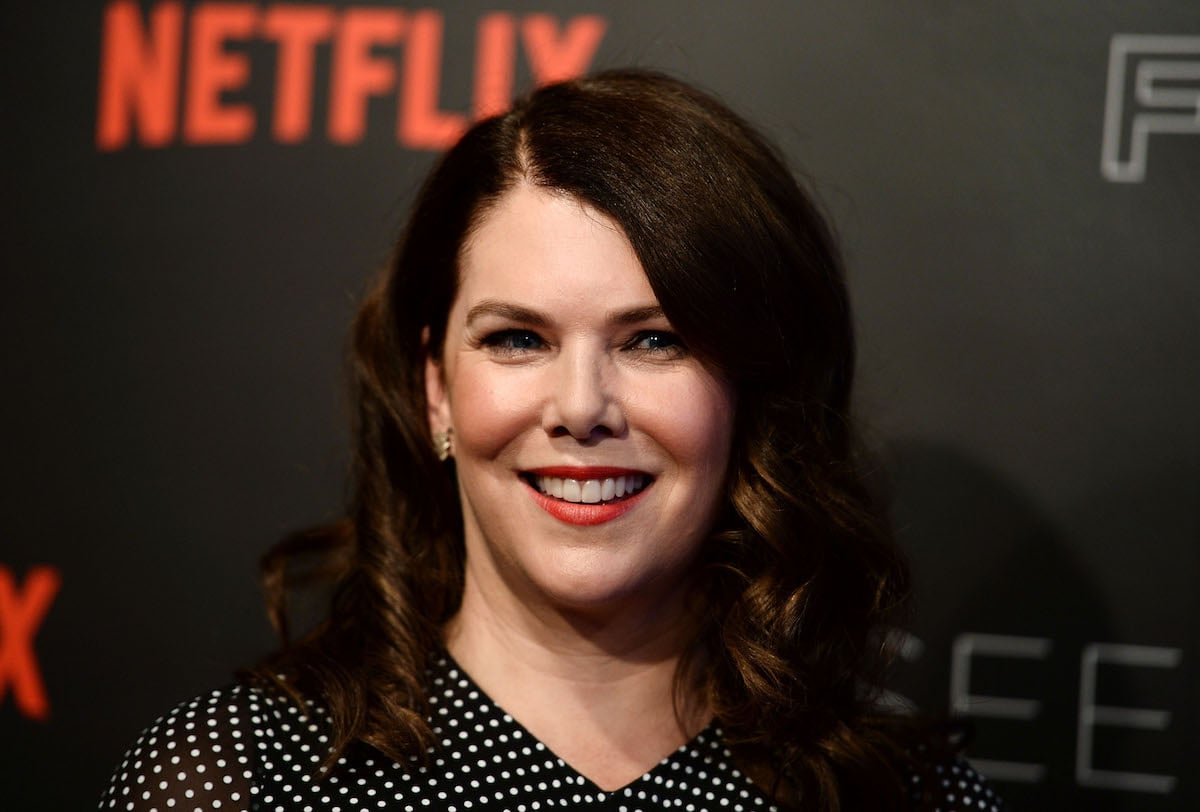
(693, 420)
(488, 410)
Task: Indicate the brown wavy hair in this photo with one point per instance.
(801, 573)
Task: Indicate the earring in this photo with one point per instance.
(441, 444)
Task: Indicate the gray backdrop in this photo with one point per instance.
(1016, 184)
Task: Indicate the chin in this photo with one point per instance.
(603, 588)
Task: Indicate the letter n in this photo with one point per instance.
(139, 74)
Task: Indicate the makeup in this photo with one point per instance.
(586, 495)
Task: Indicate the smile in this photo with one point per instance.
(586, 496)
(590, 491)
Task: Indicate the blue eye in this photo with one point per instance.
(514, 341)
(657, 341)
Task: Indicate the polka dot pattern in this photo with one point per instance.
(247, 748)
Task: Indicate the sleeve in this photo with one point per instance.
(196, 757)
(952, 786)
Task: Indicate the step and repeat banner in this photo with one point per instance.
(196, 194)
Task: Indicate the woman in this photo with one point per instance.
(609, 545)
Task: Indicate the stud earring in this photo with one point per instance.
(441, 444)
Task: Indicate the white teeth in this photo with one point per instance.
(590, 491)
(571, 490)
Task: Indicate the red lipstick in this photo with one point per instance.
(585, 514)
(582, 472)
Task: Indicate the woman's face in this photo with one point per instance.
(591, 447)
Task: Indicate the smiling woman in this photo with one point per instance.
(609, 543)
(559, 377)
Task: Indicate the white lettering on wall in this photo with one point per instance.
(1091, 715)
(1166, 99)
(964, 703)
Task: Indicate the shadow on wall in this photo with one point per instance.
(1002, 615)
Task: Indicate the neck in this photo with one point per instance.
(597, 688)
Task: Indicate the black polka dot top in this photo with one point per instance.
(246, 748)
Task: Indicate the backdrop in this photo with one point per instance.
(197, 192)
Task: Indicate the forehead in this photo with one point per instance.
(536, 243)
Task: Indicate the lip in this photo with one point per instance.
(580, 513)
(584, 471)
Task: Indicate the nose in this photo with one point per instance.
(582, 402)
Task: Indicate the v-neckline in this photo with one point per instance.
(451, 670)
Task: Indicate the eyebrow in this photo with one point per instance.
(505, 310)
(514, 312)
(637, 315)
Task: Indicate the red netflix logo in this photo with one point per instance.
(164, 77)
(21, 612)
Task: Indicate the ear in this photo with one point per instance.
(437, 400)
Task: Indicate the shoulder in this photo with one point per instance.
(209, 751)
(949, 783)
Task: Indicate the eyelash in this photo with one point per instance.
(516, 342)
(673, 347)
(505, 341)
